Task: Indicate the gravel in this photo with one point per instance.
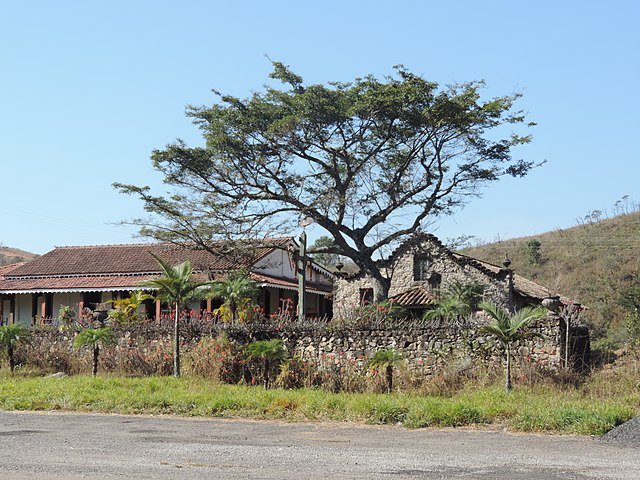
(625, 435)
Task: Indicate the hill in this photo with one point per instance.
(596, 263)
(10, 255)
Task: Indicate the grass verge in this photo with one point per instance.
(529, 409)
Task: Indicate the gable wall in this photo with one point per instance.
(347, 290)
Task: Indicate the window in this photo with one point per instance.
(421, 266)
(366, 296)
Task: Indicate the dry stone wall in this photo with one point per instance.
(426, 348)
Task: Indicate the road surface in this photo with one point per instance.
(57, 446)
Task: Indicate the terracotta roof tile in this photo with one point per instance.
(76, 283)
(417, 296)
(129, 259)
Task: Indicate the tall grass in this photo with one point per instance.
(589, 409)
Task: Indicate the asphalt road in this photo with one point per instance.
(56, 446)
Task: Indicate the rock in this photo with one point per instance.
(57, 375)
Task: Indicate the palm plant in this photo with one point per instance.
(10, 337)
(236, 290)
(470, 293)
(509, 329)
(125, 310)
(176, 288)
(459, 300)
(448, 309)
(94, 338)
(386, 359)
(271, 353)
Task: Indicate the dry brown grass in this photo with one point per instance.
(595, 263)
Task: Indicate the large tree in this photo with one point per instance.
(372, 162)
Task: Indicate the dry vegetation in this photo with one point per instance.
(10, 255)
(596, 263)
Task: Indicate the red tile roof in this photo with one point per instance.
(417, 296)
(130, 259)
(117, 267)
(75, 283)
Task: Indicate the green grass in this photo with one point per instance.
(588, 410)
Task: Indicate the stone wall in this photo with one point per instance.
(431, 347)
(425, 348)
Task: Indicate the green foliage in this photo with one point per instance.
(592, 409)
(459, 300)
(271, 353)
(386, 359)
(532, 251)
(94, 338)
(448, 310)
(176, 287)
(633, 331)
(354, 157)
(238, 292)
(10, 337)
(125, 310)
(509, 329)
(320, 256)
(67, 316)
(469, 293)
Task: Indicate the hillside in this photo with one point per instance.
(10, 255)
(596, 263)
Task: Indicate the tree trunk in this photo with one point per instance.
(380, 287)
(265, 374)
(176, 342)
(508, 371)
(389, 373)
(96, 353)
(12, 360)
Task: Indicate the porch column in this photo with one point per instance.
(1, 309)
(34, 308)
(12, 310)
(43, 309)
(158, 310)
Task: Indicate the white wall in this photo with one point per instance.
(276, 264)
(23, 309)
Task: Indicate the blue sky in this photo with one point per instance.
(89, 89)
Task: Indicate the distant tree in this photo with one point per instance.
(323, 258)
(176, 287)
(94, 338)
(509, 329)
(372, 162)
(10, 337)
(532, 250)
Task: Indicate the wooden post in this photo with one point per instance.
(158, 310)
(209, 305)
(302, 266)
(43, 309)
(12, 309)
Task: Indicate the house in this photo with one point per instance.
(83, 276)
(419, 272)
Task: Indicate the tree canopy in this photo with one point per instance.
(372, 162)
